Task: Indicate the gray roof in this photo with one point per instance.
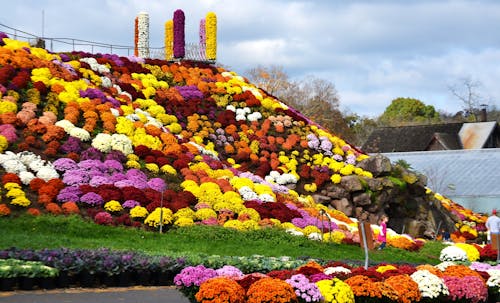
(471, 172)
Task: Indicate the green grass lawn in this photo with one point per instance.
(74, 232)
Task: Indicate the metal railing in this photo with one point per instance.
(193, 51)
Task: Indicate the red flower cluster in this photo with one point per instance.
(273, 211)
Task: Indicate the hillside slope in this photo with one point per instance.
(117, 139)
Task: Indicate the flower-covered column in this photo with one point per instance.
(136, 36)
(143, 34)
(179, 42)
(169, 40)
(211, 38)
(203, 38)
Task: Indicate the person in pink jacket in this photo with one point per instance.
(382, 235)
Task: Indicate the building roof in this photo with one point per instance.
(410, 138)
(475, 135)
(466, 172)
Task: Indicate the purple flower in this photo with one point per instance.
(99, 180)
(70, 193)
(75, 177)
(194, 276)
(157, 184)
(91, 153)
(117, 177)
(189, 92)
(116, 155)
(113, 165)
(229, 271)
(179, 42)
(92, 165)
(92, 199)
(318, 277)
(130, 204)
(64, 164)
(72, 145)
(304, 289)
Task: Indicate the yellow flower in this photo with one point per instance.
(21, 201)
(470, 250)
(184, 221)
(310, 229)
(384, 268)
(168, 169)
(152, 167)
(205, 213)
(113, 206)
(153, 218)
(335, 236)
(236, 224)
(138, 212)
(133, 164)
(185, 212)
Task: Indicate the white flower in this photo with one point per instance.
(102, 142)
(26, 177)
(494, 279)
(315, 236)
(241, 117)
(121, 143)
(106, 82)
(65, 124)
(453, 253)
(294, 232)
(80, 133)
(266, 198)
(247, 193)
(430, 285)
(47, 173)
(255, 116)
(95, 66)
(231, 108)
(143, 34)
(336, 269)
(114, 111)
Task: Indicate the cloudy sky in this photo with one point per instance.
(372, 51)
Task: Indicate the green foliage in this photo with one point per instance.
(408, 110)
(401, 184)
(193, 243)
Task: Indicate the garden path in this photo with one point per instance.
(102, 295)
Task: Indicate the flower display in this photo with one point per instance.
(335, 290)
(179, 43)
(430, 286)
(221, 288)
(271, 290)
(453, 253)
(470, 289)
(304, 289)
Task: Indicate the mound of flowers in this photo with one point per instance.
(149, 143)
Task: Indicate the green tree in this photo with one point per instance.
(403, 111)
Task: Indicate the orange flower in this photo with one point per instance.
(271, 290)
(460, 271)
(406, 288)
(363, 286)
(4, 210)
(33, 211)
(220, 290)
(53, 208)
(70, 207)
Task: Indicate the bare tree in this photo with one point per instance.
(467, 92)
(273, 79)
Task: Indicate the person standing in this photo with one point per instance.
(382, 235)
(493, 226)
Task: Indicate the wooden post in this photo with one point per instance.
(368, 235)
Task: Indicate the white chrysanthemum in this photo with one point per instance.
(36, 164)
(286, 179)
(453, 253)
(231, 108)
(118, 88)
(240, 118)
(28, 157)
(102, 142)
(430, 285)
(255, 116)
(247, 193)
(115, 112)
(336, 269)
(14, 166)
(494, 279)
(294, 232)
(121, 143)
(65, 124)
(95, 66)
(80, 133)
(26, 177)
(106, 82)
(315, 236)
(47, 173)
(266, 198)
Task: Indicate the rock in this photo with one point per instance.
(361, 199)
(343, 205)
(318, 198)
(378, 165)
(373, 184)
(351, 183)
(336, 192)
